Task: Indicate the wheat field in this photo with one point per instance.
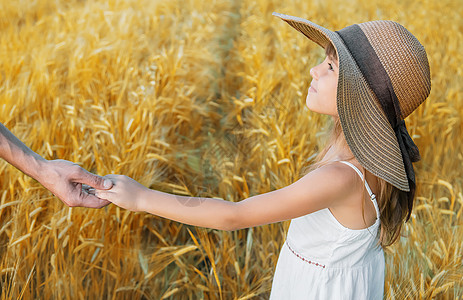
(201, 98)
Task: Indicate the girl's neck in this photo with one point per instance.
(338, 148)
(335, 150)
(338, 152)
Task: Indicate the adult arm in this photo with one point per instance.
(63, 178)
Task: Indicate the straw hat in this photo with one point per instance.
(383, 77)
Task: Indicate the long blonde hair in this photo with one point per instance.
(392, 202)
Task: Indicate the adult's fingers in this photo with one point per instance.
(95, 181)
(90, 191)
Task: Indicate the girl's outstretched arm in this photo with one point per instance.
(325, 187)
(198, 211)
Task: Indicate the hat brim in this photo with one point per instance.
(366, 127)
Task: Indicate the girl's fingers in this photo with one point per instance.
(103, 195)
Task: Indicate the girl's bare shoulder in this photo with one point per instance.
(341, 178)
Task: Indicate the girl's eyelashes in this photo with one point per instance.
(331, 67)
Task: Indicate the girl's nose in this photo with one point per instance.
(313, 73)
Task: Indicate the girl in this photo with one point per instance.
(354, 201)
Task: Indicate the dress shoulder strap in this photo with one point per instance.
(372, 196)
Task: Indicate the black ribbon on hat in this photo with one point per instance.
(378, 80)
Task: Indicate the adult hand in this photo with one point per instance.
(64, 179)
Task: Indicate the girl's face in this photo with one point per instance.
(321, 96)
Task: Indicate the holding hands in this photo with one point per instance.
(77, 187)
(67, 180)
(125, 192)
(63, 178)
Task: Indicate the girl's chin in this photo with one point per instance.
(318, 111)
(310, 105)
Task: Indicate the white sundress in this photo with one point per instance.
(322, 259)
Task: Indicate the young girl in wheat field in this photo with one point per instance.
(355, 199)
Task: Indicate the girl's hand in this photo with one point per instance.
(126, 192)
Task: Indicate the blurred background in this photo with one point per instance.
(201, 98)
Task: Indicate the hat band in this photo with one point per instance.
(373, 71)
(377, 78)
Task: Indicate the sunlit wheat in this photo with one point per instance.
(200, 98)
